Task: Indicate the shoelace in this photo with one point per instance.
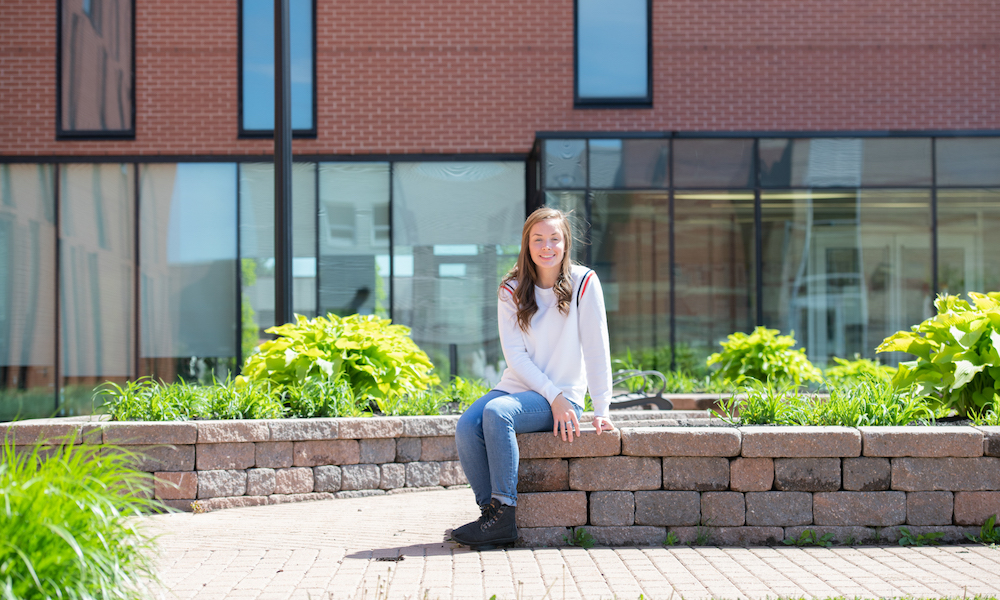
(491, 514)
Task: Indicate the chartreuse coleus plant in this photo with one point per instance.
(763, 355)
(957, 353)
(378, 359)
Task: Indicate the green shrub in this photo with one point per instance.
(378, 359)
(64, 531)
(958, 353)
(851, 371)
(763, 355)
(317, 397)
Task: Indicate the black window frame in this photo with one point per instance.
(269, 133)
(62, 133)
(612, 101)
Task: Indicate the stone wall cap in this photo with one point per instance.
(681, 441)
(546, 445)
(430, 425)
(302, 430)
(934, 442)
(150, 432)
(782, 441)
(30, 432)
(370, 428)
(233, 430)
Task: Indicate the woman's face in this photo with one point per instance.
(546, 244)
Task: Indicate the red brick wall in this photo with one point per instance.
(441, 76)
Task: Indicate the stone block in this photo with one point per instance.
(327, 478)
(612, 508)
(869, 509)
(260, 482)
(946, 474)
(227, 455)
(392, 476)
(922, 441)
(301, 430)
(702, 473)
(779, 509)
(415, 490)
(929, 508)
(615, 473)
(325, 452)
(866, 474)
(807, 474)
(358, 494)
(751, 474)
(952, 534)
(423, 474)
(179, 505)
(274, 455)
(729, 536)
(452, 474)
(430, 426)
(408, 450)
(160, 458)
(991, 440)
(176, 485)
(973, 508)
(542, 537)
(125, 433)
(216, 432)
(295, 480)
(288, 498)
(627, 536)
(90, 433)
(543, 475)
(800, 442)
(438, 449)
(372, 427)
(723, 509)
(844, 536)
(360, 477)
(546, 445)
(212, 504)
(30, 432)
(377, 450)
(670, 509)
(681, 441)
(213, 484)
(552, 509)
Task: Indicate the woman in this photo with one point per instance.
(554, 335)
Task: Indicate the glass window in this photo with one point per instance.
(188, 302)
(456, 231)
(257, 246)
(968, 245)
(575, 205)
(96, 68)
(354, 238)
(630, 164)
(612, 52)
(630, 251)
(844, 269)
(968, 161)
(845, 162)
(97, 283)
(257, 66)
(27, 291)
(565, 163)
(713, 163)
(714, 271)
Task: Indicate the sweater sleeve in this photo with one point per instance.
(596, 348)
(516, 353)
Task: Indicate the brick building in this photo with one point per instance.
(811, 166)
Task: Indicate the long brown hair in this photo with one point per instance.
(526, 274)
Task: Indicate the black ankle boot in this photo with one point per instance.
(496, 527)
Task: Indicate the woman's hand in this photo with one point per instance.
(602, 424)
(564, 419)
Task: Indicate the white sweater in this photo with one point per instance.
(559, 353)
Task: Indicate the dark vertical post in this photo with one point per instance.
(673, 259)
(282, 166)
(758, 237)
(934, 222)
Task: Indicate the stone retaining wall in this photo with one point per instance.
(716, 485)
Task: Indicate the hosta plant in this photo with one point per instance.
(763, 355)
(957, 353)
(378, 359)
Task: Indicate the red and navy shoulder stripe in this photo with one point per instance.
(583, 285)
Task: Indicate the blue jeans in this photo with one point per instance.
(487, 445)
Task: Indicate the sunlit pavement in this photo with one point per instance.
(392, 546)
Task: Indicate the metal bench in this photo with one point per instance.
(642, 392)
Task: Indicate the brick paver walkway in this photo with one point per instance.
(388, 547)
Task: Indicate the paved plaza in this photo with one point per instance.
(392, 546)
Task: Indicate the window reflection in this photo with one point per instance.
(968, 247)
(612, 50)
(188, 271)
